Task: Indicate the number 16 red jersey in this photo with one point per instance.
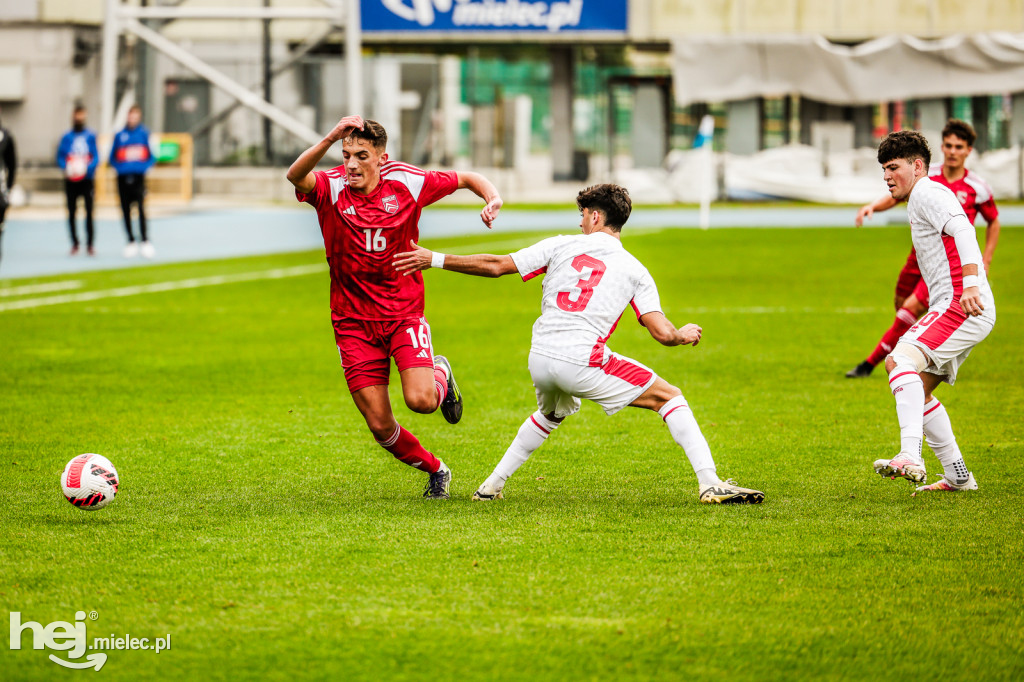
(362, 234)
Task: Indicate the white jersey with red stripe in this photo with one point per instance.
(933, 210)
(589, 281)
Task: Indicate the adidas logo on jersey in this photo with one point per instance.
(351, 210)
(423, 354)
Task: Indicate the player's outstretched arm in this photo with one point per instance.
(483, 188)
(868, 210)
(666, 333)
(479, 264)
(300, 173)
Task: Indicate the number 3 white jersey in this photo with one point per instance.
(589, 281)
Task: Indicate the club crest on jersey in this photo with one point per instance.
(961, 196)
(390, 203)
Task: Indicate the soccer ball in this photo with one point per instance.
(89, 481)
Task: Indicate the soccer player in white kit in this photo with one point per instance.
(961, 314)
(589, 281)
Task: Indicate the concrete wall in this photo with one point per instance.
(53, 86)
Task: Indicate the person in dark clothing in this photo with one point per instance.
(8, 169)
(131, 158)
(78, 157)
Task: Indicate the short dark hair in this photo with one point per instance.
(373, 133)
(904, 144)
(78, 109)
(611, 200)
(962, 129)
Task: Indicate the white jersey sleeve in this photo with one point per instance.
(534, 260)
(646, 299)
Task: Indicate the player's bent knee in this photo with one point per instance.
(381, 428)
(422, 403)
(906, 354)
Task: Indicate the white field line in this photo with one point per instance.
(27, 289)
(193, 283)
(766, 310)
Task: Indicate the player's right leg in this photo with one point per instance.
(554, 405)
(905, 365)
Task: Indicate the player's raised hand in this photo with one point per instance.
(690, 334)
(345, 127)
(490, 211)
(865, 213)
(970, 301)
(409, 262)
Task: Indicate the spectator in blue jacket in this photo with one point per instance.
(78, 157)
(131, 157)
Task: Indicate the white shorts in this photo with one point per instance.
(613, 386)
(947, 335)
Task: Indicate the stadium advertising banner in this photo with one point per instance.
(551, 17)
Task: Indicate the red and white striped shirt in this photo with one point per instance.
(935, 215)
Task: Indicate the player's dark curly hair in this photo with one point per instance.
(962, 129)
(904, 144)
(373, 133)
(611, 200)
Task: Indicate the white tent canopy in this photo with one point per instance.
(727, 68)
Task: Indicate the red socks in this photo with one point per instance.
(904, 321)
(440, 384)
(407, 449)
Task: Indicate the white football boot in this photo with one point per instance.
(942, 485)
(901, 466)
(488, 492)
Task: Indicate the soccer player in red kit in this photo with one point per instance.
(974, 194)
(369, 209)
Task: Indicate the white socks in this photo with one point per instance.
(939, 433)
(685, 431)
(908, 389)
(532, 434)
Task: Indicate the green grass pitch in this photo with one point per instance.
(261, 527)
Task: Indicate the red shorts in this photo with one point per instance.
(367, 346)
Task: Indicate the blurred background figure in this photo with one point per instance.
(78, 157)
(131, 157)
(8, 167)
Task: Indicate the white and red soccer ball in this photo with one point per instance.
(89, 481)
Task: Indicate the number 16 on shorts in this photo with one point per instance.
(419, 338)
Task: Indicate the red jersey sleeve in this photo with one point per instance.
(437, 185)
(988, 210)
(319, 195)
